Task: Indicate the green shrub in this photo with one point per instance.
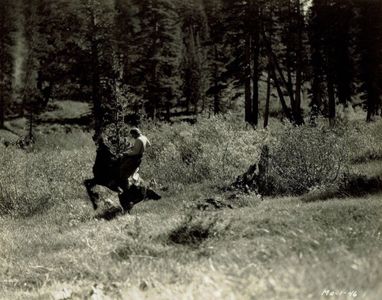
(302, 158)
(219, 148)
(364, 141)
(215, 149)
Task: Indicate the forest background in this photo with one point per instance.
(175, 60)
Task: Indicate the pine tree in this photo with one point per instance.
(98, 27)
(7, 27)
(159, 46)
(244, 19)
(344, 44)
(125, 28)
(332, 46)
(45, 32)
(274, 51)
(317, 76)
(194, 34)
(218, 53)
(369, 46)
(34, 44)
(288, 52)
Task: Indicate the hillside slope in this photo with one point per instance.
(271, 249)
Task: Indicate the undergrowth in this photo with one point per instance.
(33, 182)
(214, 151)
(303, 158)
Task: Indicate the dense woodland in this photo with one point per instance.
(167, 59)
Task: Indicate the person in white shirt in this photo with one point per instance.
(131, 160)
(140, 144)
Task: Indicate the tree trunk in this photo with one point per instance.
(276, 67)
(2, 109)
(2, 92)
(2, 72)
(168, 112)
(190, 45)
(95, 82)
(297, 107)
(155, 101)
(332, 102)
(187, 91)
(30, 131)
(198, 86)
(281, 95)
(97, 108)
(272, 67)
(289, 48)
(268, 98)
(256, 71)
(316, 94)
(247, 81)
(216, 84)
(371, 101)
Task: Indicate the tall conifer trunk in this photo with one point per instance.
(297, 107)
(95, 79)
(247, 80)
(256, 69)
(268, 98)
(2, 110)
(332, 101)
(216, 82)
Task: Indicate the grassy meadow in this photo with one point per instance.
(316, 245)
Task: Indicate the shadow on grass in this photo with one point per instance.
(353, 186)
(198, 228)
(190, 235)
(367, 158)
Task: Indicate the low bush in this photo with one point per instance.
(364, 141)
(296, 160)
(301, 159)
(215, 149)
(305, 157)
(32, 182)
(218, 148)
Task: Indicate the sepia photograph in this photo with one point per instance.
(190, 149)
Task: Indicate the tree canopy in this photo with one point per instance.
(171, 59)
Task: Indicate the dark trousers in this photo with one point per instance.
(128, 166)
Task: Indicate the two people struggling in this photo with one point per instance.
(117, 172)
